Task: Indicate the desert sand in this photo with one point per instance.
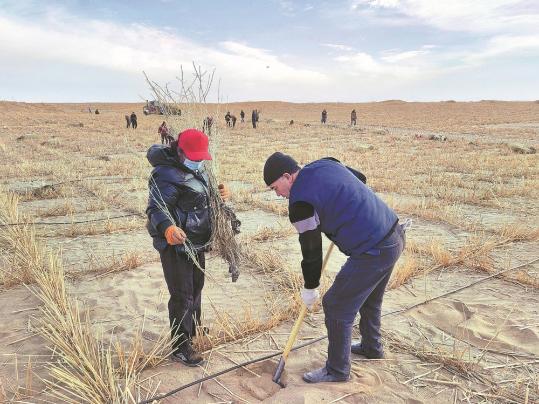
(473, 199)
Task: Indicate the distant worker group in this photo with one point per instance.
(230, 120)
(353, 117)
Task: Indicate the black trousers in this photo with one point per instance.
(134, 124)
(185, 282)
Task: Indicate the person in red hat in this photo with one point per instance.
(179, 210)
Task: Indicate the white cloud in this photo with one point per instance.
(503, 46)
(393, 57)
(405, 66)
(479, 16)
(62, 38)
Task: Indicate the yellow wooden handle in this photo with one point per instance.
(301, 316)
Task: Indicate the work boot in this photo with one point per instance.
(187, 355)
(322, 375)
(358, 349)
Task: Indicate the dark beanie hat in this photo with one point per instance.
(276, 165)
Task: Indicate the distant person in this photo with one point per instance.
(163, 131)
(89, 110)
(227, 118)
(207, 124)
(96, 111)
(254, 118)
(133, 120)
(324, 116)
(127, 121)
(242, 116)
(353, 117)
(233, 120)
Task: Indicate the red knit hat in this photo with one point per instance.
(194, 144)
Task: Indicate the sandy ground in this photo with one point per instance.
(492, 327)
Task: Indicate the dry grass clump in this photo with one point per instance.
(407, 267)
(270, 263)
(421, 259)
(452, 360)
(518, 232)
(125, 262)
(67, 208)
(433, 210)
(115, 196)
(108, 226)
(43, 192)
(18, 244)
(278, 208)
(227, 328)
(225, 226)
(472, 379)
(266, 233)
(88, 369)
(476, 253)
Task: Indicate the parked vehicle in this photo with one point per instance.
(155, 107)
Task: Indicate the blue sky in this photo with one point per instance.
(301, 51)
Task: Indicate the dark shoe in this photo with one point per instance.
(369, 354)
(187, 355)
(322, 375)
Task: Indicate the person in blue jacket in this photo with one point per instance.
(179, 210)
(328, 197)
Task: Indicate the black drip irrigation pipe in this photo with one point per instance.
(54, 184)
(74, 222)
(80, 221)
(222, 372)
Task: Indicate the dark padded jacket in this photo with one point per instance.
(185, 194)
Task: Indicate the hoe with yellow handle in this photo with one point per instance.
(293, 335)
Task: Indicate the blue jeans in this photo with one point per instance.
(359, 287)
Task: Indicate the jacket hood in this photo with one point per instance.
(161, 155)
